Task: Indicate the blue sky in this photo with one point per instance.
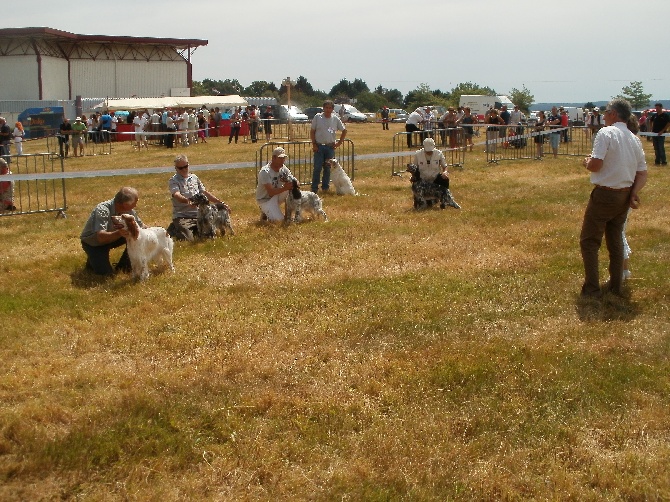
(568, 51)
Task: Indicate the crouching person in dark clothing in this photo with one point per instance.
(100, 234)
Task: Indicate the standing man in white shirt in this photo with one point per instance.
(515, 116)
(140, 138)
(324, 141)
(618, 172)
(412, 123)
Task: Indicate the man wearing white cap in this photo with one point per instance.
(271, 191)
(432, 164)
(78, 131)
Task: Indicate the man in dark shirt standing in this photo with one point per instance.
(506, 116)
(64, 137)
(5, 139)
(660, 125)
(385, 118)
(555, 137)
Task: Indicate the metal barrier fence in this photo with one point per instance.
(500, 143)
(301, 158)
(527, 142)
(39, 195)
(450, 141)
(95, 143)
(281, 130)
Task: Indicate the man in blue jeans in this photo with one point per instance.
(324, 141)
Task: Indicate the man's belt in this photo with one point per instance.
(626, 189)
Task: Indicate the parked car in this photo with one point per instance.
(351, 114)
(311, 111)
(398, 115)
(294, 112)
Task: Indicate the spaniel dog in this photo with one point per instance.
(145, 245)
(339, 178)
(301, 200)
(211, 217)
(428, 192)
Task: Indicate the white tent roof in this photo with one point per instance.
(172, 102)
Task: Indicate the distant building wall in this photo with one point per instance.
(19, 77)
(126, 78)
(54, 78)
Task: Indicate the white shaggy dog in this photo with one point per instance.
(339, 178)
(211, 217)
(301, 200)
(145, 245)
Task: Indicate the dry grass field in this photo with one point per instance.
(388, 354)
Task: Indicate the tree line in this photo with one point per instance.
(367, 100)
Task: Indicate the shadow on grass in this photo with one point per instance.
(85, 279)
(82, 278)
(609, 307)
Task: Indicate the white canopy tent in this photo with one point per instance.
(129, 104)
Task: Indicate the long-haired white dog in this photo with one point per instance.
(145, 245)
(340, 179)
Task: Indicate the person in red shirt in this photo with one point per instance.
(565, 120)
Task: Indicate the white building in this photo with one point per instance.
(44, 64)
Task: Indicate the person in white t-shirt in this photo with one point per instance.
(140, 138)
(183, 128)
(271, 190)
(18, 138)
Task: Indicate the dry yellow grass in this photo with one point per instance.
(386, 355)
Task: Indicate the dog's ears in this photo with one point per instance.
(199, 198)
(132, 225)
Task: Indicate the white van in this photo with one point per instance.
(480, 104)
(575, 114)
(351, 114)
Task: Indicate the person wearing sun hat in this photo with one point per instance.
(78, 131)
(595, 121)
(271, 191)
(432, 164)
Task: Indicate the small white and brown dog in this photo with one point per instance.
(301, 200)
(340, 179)
(211, 217)
(145, 245)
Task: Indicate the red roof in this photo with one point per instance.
(58, 34)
